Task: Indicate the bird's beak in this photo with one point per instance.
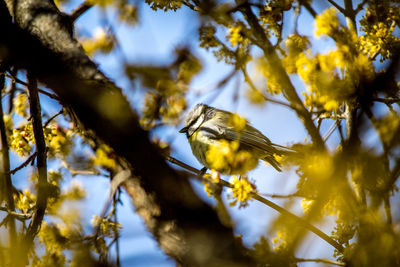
(183, 130)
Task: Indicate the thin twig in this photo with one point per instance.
(116, 233)
(360, 6)
(79, 10)
(307, 5)
(331, 130)
(19, 216)
(321, 261)
(52, 118)
(15, 79)
(341, 9)
(280, 196)
(199, 175)
(387, 101)
(24, 164)
(80, 172)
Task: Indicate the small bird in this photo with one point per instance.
(206, 126)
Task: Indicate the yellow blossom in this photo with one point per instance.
(21, 104)
(105, 157)
(242, 191)
(235, 35)
(327, 22)
(306, 204)
(210, 181)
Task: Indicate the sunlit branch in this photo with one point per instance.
(321, 261)
(80, 172)
(24, 164)
(17, 215)
(331, 130)
(288, 90)
(388, 209)
(5, 169)
(79, 10)
(199, 175)
(280, 196)
(41, 158)
(340, 129)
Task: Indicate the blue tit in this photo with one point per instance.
(205, 126)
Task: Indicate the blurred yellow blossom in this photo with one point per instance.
(327, 22)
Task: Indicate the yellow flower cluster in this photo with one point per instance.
(242, 191)
(379, 39)
(235, 35)
(175, 105)
(327, 23)
(271, 15)
(21, 104)
(107, 227)
(295, 45)
(306, 204)
(20, 140)
(58, 140)
(225, 157)
(164, 5)
(210, 181)
(105, 157)
(55, 243)
(280, 241)
(25, 201)
(388, 127)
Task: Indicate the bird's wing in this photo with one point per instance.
(252, 137)
(249, 136)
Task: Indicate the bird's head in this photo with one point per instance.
(195, 117)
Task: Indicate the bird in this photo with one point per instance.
(205, 127)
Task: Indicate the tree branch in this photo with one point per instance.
(79, 10)
(288, 90)
(42, 191)
(24, 164)
(5, 171)
(199, 175)
(341, 9)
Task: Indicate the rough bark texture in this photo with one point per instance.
(37, 37)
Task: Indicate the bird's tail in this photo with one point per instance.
(279, 152)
